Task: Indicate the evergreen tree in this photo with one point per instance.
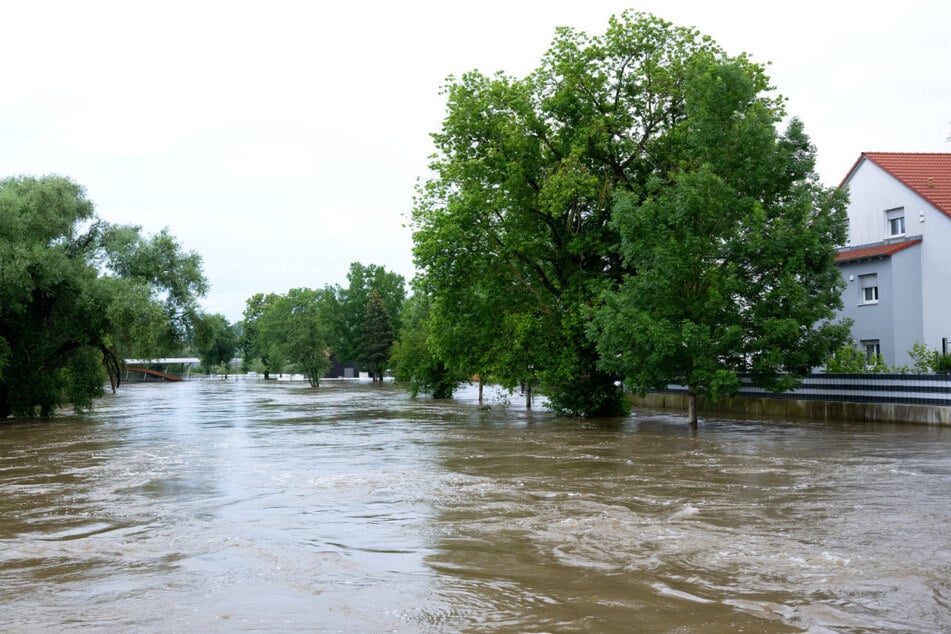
(376, 337)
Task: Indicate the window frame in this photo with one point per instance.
(893, 216)
(868, 283)
(872, 349)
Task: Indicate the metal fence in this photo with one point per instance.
(912, 389)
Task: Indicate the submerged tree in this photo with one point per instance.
(413, 359)
(729, 248)
(78, 295)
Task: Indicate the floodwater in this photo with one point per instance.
(224, 506)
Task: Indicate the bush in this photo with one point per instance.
(847, 360)
(943, 365)
(925, 360)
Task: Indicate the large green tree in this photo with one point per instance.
(78, 295)
(728, 248)
(519, 209)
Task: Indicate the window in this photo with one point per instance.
(873, 350)
(868, 289)
(896, 221)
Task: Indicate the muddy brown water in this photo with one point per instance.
(220, 506)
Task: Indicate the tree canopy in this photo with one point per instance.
(636, 173)
(376, 337)
(729, 258)
(77, 295)
(215, 340)
(290, 331)
(350, 312)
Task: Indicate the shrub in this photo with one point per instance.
(847, 360)
(925, 360)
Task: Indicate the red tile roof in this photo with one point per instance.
(928, 174)
(877, 250)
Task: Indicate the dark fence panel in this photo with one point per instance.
(912, 389)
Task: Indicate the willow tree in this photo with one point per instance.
(728, 248)
(514, 233)
(78, 295)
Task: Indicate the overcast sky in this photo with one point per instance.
(282, 140)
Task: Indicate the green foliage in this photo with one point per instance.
(628, 211)
(376, 337)
(944, 364)
(77, 295)
(412, 358)
(513, 233)
(924, 360)
(729, 249)
(349, 311)
(216, 341)
(877, 365)
(290, 331)
(847, 360)
(254, 343)
(850, 360)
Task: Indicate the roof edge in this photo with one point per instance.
(883, 249)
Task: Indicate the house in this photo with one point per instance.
(897, 261)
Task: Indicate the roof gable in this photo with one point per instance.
(928, 174)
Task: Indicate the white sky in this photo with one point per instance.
(282, 140)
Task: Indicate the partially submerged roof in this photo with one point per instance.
(875, 250)
(928, 174)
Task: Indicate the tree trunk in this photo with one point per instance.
(692, 405)
(528, 395)
(480, 390)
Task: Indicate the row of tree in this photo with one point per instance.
(305, 330)
(629, 211)
(79, 295)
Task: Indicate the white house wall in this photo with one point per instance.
(896, 320)
(908, 314)
(873, 191)
(870, 321)
(936, 276)
(915, 302)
